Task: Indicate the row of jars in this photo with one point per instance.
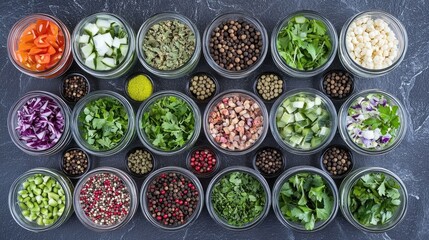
(135, 44)
(75, 197)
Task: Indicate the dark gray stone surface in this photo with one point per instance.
(407, 82)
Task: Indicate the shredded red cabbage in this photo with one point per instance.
(40, 123)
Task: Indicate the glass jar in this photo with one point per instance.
(63, 85)
(136, 175)
(146, 105)
(12, 123)
(345, 96)
(13, 41)
(319, 225)
(280, 62)
(236, 17)
(394, 24)
(349, 157)
(342, 119)
(144, 201)
(15, 209)
(120, 69)
(329, 106)
(235, 93)
(345, 191)
(62, 167)
(185, 68)
(194, 96)
(206, 174)
(218, 219)
(76, 129)
(129, 183)
(272, 175)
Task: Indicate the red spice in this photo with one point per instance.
(203, 161)
(105, 199)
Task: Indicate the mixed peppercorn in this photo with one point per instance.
(140, 161)
(75, 162)
(105, 199)
(75, 87)
(172, 199)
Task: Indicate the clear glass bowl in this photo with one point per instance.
(129, 59)
(13, 39)
(273, 175)
(198, 174)
(15, 209)
(281, 64)
(12, 120)
(342, 126)
(350, 181)
(319, 225)
(222, 222)
(231, 93)
(206, 44)
(394, 24)
(146, 105)
(80, 106)
(329, 107)
(189, 65)
(144, 202)
(132, 190)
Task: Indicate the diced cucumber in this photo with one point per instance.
(84, 38)
(311, 116)
(90, 63)
(317, 101)
(290, 109)
(123, 41)
(102, 23)
(107, 39)
(298, 117)
(298, 104)
(91, 28)
(110, 62)
(324, 131)
(124, 49)
(87, 50)
(315, 141)
(296, 139)
(109, 52)
(287, 118)
(315, 128)
(310, 104)
(99, 65)
(116, 43)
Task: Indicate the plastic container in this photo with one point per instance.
(184, 69)
(231, 93)
(281, 64)
(13, 39)
(194, 97)
(335, 99)
(144, 107)
(12, 120)
(154, 163)
(126, 139)
(273, 175)
(255, 86)
(394, 24)
(129, 79)
(129, 59)
(61, 90)
(132, 190)
(319, 225)
(342, 126)
(61, 163)
(144, 200)
(345, 190)
(222, 222)
(207, 174)
(329, 107)
(15, 210)
(234, 16)
(350, 156)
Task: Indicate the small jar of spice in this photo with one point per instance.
(139, 87)
(202, 87)
(75, 162)
(74, 87)
(140, 162)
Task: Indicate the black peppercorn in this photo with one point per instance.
(337, 161)
(338, 84)
(269, 161)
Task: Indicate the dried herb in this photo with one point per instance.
(239, 198)
(168, 45)
(305, 198)
(374, 199)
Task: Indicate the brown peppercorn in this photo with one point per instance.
(140, 161)
(338, 84)
(269, 161)
(337, 160)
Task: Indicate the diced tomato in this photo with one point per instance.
(51, 50)
(56, 57)
(36, 50)
(60, 40)
(41, 42)
(43, 58)
(40, 67)
(25, 46)
(42, 26)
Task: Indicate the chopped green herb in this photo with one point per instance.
(306, 198)
(238, 198)
(103, 123)
(304, 44)
(374, 199)
(168, 123)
